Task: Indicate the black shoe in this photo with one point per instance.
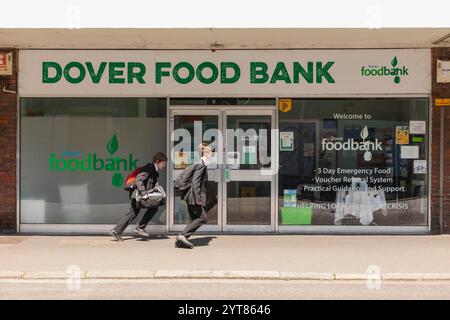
(116, 235)
(182, 240)
(179, 244)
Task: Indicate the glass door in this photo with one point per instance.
(189, 128)
(241, 189)
(248, 183)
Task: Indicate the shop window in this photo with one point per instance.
(76, 152)
(361, 162)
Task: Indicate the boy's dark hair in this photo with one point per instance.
(159, 157)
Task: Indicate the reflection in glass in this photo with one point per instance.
(189, 132)
(181, 213)
(248, 142)
(248, 203)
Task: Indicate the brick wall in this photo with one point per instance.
(8, 136)
(440, 91)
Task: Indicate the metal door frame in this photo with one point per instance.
(222, 112)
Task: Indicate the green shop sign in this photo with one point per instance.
(386, 71)
(73, 161)
(184, 72)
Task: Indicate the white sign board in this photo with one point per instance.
(249, 73)
(409, 152)
(443, 71)
(417, 127)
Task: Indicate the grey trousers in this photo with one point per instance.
(125, 221)
(198, 218)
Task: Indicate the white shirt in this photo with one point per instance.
(205, 161)
(156, 167)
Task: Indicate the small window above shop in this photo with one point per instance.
(93, 107)
(223, 101)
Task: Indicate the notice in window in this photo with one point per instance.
(402, 135)
(286, 141)
(420, 166)
(290, 198)
(417, 127)
(409, 152)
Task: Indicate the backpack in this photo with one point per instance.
(130, 182)
(184, 180)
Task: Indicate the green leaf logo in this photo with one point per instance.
(397, 79)
(113, 144)
(394, 62)
(117, 180)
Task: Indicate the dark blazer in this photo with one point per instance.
(147, 178)
(199, 188)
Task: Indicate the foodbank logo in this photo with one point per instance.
(394, 70)
(74, 161)
(338, 144)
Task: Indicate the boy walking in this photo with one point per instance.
(145, 180)
(195, 198)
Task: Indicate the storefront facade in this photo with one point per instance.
(304, 141)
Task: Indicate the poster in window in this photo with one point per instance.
(286, 141)
(290, 198)
(402, 135)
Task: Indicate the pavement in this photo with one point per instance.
(227, 257)
(197, 290)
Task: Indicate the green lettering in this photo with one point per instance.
(138, 75)
(98, 161)
(405, 71)
(58, 165)
(307, 75)
(280, 74)
(77, 65)
(176, 74)
(73, 164)
(123, 162)
(159, 73)
(96, 76)
(323, 72)
(223, 72)
(113, 73)
(258, 72)
(214, 72)
(110, 165)
(86, 164)
(45, 77)
(51, 161)
(132, 164)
